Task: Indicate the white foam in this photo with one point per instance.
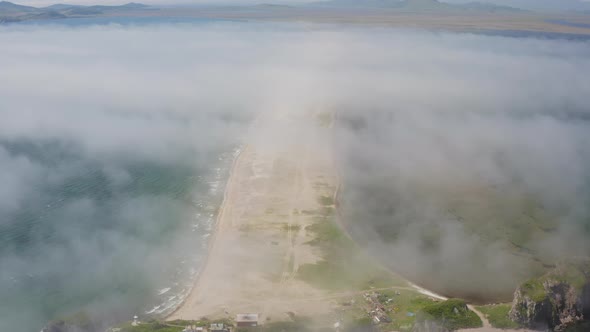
(164, 290)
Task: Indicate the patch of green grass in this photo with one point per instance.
(171, 326)
(497, 315)
(296, 324)
(329, 236)
(534, 289)
(451, 314)
(344, 265)
(150, 327)
(364, 324)
(287, 227)
(80, 320)
(326, 200)
(324, 119)
(572, 273)
(405, 304)
(401, 307)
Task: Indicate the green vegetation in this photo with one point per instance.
(344, 266)
(80, 320)
(296, 324)
(505, 216)
(324, 119)
(497, 315)
(452, 314)
(293, 228)
(534, 289)
(571, 273)
(404, 306)
(364, 324)
(172, 326)
(326, 200)
(151, 327)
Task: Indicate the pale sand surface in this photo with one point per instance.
(260, 240)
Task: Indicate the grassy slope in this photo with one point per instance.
(344, 265)
(572, 273)
(453, 314)
(497, 315)
(172, 326)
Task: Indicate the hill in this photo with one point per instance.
(557, 300)
(417, 5)
(9, 8)
(11, 12)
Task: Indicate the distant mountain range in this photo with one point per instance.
(11, 12)
(417, 5)
(538, 5)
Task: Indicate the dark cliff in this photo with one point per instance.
(556, 301)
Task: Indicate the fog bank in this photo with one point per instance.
(464, 158)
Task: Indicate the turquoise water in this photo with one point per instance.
(102, 244)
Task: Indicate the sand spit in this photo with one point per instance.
(260, 239)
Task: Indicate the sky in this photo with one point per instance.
(526, 4)
(486, 117)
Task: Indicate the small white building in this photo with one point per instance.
(247, 320)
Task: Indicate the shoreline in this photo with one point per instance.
(260, 238)
(212, 238)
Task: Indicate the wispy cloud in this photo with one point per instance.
(429, 121)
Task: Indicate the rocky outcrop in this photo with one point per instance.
(61, 326)
(78, 322)
(555, 301)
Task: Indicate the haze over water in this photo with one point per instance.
(104, 232)
(111, 175)
(115, 142)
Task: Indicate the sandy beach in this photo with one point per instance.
(260, 239)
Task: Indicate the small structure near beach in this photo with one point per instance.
(218, 327)
(247, 320)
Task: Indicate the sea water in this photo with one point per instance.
(105, 240)
(104, 234)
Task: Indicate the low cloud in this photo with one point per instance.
(440, 139)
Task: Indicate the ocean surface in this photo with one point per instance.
(104, 241)
(106, 211)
